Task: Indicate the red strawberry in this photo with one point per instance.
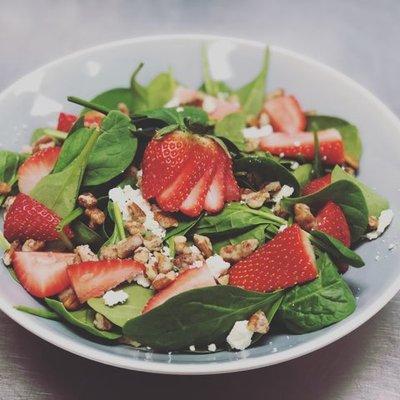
(28, 219)
(287, 260)
(93, 117)
(215, 198)
(36, 167)
(331, 220)
(42, 274)
(163, 159)
(232, 191)
(285, 114)
(93, 278)
(302, 145)
(221, 108)
(316, 185)
(66, 121)
(193, 278)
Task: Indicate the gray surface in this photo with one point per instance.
(357, 37)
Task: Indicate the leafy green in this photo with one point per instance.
(82, 318)
(199, 316)
(251, 96)
(4, 244)
(375, 202)
(39, 312)
(121, 313)
(318, 304)
(303, 174)
(231, 128)
(53, 133)
(171, 116)
(111, 98)
(348, 196)
(9, 163)
(58, 191)
(84, 235)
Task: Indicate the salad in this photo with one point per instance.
(175, 219)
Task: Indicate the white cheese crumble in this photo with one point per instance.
(281, 155)
(240, 336)
(192, 347)
(142, 281)
(111, 298)
(212, 347)
(179, 109)
(286, 191)
(384, 221)
(209, 104)
(256, 133)
(128, 195)
(217, 265)
(282, 228)
(294, 165)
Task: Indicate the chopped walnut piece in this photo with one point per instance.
(151, 271)
(85, 253)
(189, 257)
(258, 323)
(123, 108)
(204, 245)
(141, 255)
(126, 247)
(164, 219)
(96, 217)
(15, 245)
(254, 199)
(349, 170)
(134, 227)
(272, 187)
(161, 281)
(223, 280)
(251, 144)
(33, 245)
(108, 252)
(164, 263)
(373, 223)
(69, 299)
(87, 200)
(137, 213)
(5, 188)
(152, 242)
(180, 243)
(102, 323)
(280, 211)
(304, 217)
(235, 252)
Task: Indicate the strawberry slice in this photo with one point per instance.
(36, 167)
(202, 154)
(163, 160)
(42, 274)
(316, 185)
(93, 278)
(29, 219)
(66, 121)
(301, 144)
(185, 95)
(193, 278)
(215, 198)
(331, 220)
(232, 191)
(220, 108)
(285, 114)
(287, 260)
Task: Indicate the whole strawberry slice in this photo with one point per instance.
(66, 121)
(93, 278)
(287, 260)
(331, 220)
(36, 167)
(316, 185)
(293, 145)
(42, 274)
(193, 278)
(232, 191)
(28, 219)
(285, 114)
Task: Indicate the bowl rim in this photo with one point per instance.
(73, 346)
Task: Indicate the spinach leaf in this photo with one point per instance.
(59, 136)
(347, 195)
(375, 202)
(121, 313)
(303, 174)
(171, 116)
(84, 235)
(111, 98)
(39, 312)
(318, 304)
(252, 95)
(9, 163)
(82, 318)
(199, 316)
(231, 128)
(4, 244)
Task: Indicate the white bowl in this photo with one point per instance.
(35, 100)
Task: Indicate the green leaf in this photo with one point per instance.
(375, 202)
(318, 304)
(82, 318)
(231, 127)
(171, 116)
(59, 136)
(199, 317)
(252, 95)
(121, 313)
(84, 235)
(4, 244)
(111, 98)
(9, 163)
(347, 195)
(303, 174)
(58, 191)
(39, 312)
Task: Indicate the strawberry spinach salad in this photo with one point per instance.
(177, 219)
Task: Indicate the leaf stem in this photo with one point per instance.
(73, 215)
(118, 221)
(88, 104)
(64, 238)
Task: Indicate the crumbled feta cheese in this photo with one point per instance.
(256, 133)
(142, 281)
(217, 265)
(128, 195)
(194, 250)
(111, 298)
(212, 347)
(384, 221)
(197, 264)
(240, 336)
(294, 165)
(179, 109)
(192, 347)
(286, 191)
(281, 155)
(282, 228)
(209, 104)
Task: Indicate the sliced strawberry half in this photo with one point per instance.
(285, 114)
(42, 274)
(331, 220)
(66, 121)
(93, 278)
(316, 185)
(36, 167)
(215, 198)
(301, 144)
(232, 191)
(193, 278)
(163, 160)
(287, 260)
(29, 219)
(221, 108)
